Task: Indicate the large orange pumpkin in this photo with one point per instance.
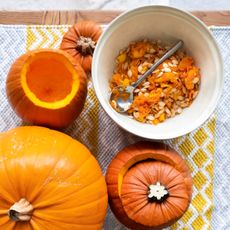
(47, 87)
(49, 181)
(149, 186)
(80, 41)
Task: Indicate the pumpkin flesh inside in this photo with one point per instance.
(49, 80)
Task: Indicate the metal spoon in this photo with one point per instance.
(124, 96)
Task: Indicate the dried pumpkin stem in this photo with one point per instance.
(85, 45)
(157, 192)
(21, 211)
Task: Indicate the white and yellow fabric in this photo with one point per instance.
(104, 138)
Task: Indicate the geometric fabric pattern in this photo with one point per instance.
(104, 138)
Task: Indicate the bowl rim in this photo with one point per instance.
(102, 39)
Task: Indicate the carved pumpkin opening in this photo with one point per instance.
(149, 186)
(47, 87)
(49, 79)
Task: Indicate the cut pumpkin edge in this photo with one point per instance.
(33, 98)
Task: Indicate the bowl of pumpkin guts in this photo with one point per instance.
(181, 93)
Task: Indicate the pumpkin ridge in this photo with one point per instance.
(163, 213)
(174, 208)
(182, 197)
(19, 103)
(73, 193)
(8, 177)
(175, 185)
(172, 179)
(42, 187)
(66, 223)
(70, 39)
(55, 164)
(167, 215)
(168, 172)
(138, 210)
(40, 210)
(145, 183)
(76, 30)
(6, 219)
(95, 35)
(147, 175)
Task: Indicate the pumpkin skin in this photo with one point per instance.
(131, 172)
(47, 87)
(82, 29)
(56, 174)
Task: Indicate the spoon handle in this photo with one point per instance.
(168, 54)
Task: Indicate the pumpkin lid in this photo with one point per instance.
(153, 193)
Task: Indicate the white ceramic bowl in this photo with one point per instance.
(167, 24)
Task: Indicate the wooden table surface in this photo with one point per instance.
(218, 18)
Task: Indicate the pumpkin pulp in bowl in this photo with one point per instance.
(47, 87)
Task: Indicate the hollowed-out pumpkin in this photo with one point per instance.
(80, 41)
(47, 87)
(149, 186)
(49, 181)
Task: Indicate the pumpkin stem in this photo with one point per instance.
(21, 211)
(85, 45)
(157, 192)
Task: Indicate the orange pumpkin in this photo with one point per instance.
(149, 186)
(47, 87)
(80, 42)
(49, 181)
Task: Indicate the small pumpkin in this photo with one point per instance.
(149, 186)
(47, 87)
(80, 41)
(49, 181)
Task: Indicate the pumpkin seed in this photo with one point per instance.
(175, 62)
(165, 65)
(130, 73)
(136, 114)
(195, 80)
(166, 70)
(195, 94)
(150, 117)
(125, 66)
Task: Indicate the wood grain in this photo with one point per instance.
(218, 18)
(55, 17)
